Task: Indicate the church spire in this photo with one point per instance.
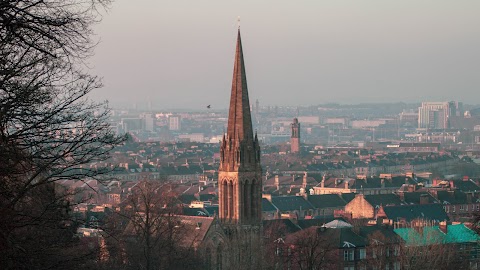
(239, 174)
(239, 118)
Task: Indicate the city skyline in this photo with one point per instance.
(310, 53)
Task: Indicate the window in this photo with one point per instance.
(462, 207)
(453, 208)
(348, 255)
(362, 254)
(478, 207)
(396, 266)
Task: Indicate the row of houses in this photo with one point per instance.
(340, 245)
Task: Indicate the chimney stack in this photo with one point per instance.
(423, 198)
(277, 182)
(443, 226)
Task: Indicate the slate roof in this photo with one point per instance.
(384, 234)
(466, 185)
(317, 221)
(394, 182)
(411, 212)
(187, 198)
(290, 203)
(414, 197)
(348, 197)
(289, 225)
(211, 209)
(326, 201)
(187, 211)
(196, 228)
(383, 199)
(341, 238)
(206, 197)
(456, 234)
(452, 197)
(268, 206)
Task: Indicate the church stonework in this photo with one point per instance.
(239, 176)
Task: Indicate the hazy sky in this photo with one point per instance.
(179, 53)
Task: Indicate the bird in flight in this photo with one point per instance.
(208, 106)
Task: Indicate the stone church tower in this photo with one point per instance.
(239, 174)
(295, 138)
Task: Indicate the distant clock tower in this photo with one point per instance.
(295, 137)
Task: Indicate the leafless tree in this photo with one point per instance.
(275, 248)
(313, 248)
(383, 252)
(49, 129)
(153, 236)
(428, 251)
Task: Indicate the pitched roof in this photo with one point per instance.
(337, 224)
(415, 211)
(414, 197)
(380, 233)
(290, 203)
(196, 228)
(456, 234)
(268, 206)
(187, 211)
(289, 225)
(466, 185)
(340, 238)
(326, 200)
(452, 197)
(348, 197)
(211, 209)
(383, 199)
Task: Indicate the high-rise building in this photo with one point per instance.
(174, 122)
(239, 174)
(295, 137)
(434, 115)
(148, 122)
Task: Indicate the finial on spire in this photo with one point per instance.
(238, 22)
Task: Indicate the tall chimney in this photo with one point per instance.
(304, 184)
(277, 182)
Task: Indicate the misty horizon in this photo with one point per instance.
(180, 54)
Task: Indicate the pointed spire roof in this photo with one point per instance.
(239, 119)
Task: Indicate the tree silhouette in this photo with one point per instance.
(49, 129)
